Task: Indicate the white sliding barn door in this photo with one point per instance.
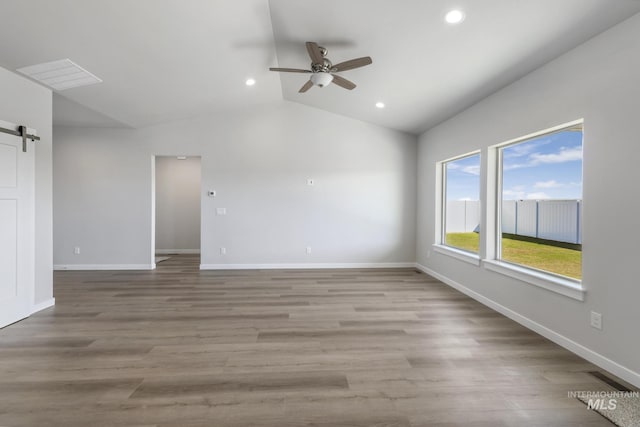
(17, 177)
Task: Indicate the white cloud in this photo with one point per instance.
(513, 194)
(547, 184)
(519, 193)
(524, 149)
(538, 196)
(473, 170)
(515, 166)
(564, 155)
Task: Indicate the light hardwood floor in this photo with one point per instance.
(181, 347)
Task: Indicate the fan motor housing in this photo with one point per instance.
(325, 67)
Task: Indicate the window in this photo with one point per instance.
(461, 203)
(540, 208)
(531, 217)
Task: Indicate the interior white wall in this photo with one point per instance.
(597, 81)
(178, 194)
(26, 103)
(360, 210)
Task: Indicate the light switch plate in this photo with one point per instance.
(221, 211)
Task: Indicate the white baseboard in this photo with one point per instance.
(104, 267)
(305, 266)
(43, 305)
(582, 351)
(176, 251)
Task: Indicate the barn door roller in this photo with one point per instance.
(23, 133)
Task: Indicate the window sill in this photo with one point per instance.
(566, 287)
(459, 254)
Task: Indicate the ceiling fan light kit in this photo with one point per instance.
(321, 79)
(322, 69)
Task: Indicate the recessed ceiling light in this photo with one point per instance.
(250, 82)
(454, 16)
(182, 157)
(380, 104)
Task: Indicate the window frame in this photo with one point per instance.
(546, 279)
(500, 186)
(440, 245)
(490, 249)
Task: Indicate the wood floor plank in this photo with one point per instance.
(203, 386)
(362, 347)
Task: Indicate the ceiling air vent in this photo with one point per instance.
(60, 75)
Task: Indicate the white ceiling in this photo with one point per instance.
(164, 60)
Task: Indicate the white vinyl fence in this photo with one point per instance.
(463, 216)
(558, 220)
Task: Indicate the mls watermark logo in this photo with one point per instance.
(602, 404)
(602, 400)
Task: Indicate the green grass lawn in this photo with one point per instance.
(567, 262)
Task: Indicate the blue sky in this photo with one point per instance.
(463, 179)
(547, 167)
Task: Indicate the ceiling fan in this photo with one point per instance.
(322, 69)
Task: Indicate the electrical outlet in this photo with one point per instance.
(223, 251)
(308, 250)
(76, 250)
(221, 211)
(596, 320)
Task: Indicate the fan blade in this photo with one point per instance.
(353, 63)
(290, 70)
(342, 82)
(314, 53)
(306, 87)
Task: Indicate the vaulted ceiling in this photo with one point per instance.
(163, 60)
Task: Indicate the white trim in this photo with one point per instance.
(441, 194)
(104, 267)
(176, 251)
(305, 266)
(465, 256)
(582, 351)
(152, 245)
(566, 287)
(539, 133)
(43, 305)
(461, 156)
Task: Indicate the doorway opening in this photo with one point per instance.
(177, 198)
